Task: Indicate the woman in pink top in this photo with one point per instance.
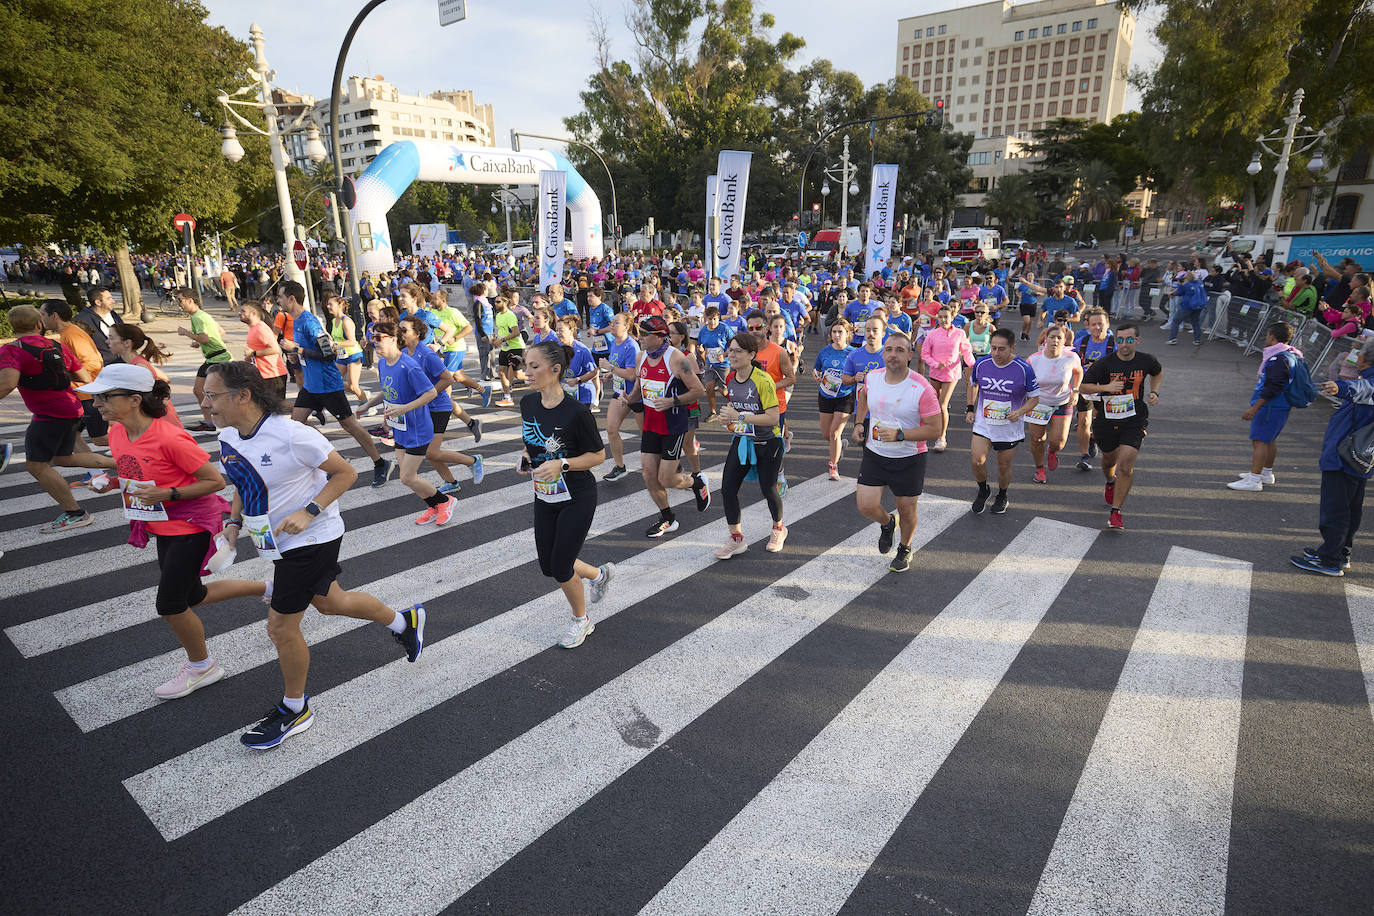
(129, 343)
(969, 293)
(944, 348)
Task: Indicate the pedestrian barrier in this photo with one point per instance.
(1327, 366)
(1240, 322)
(1313, 338)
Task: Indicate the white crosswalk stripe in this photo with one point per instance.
(1361, 603)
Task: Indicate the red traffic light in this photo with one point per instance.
(939, 103)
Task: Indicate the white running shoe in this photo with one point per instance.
(1250, 483)
(578, 630)
(188, 680)
(601, 584)
(776, 537)
(1267, 476)
(732, 546)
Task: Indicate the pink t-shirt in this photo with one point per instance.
(260, 338)
(902, 406)
(58, 405)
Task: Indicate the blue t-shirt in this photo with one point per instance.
(901, 321)
(541, 336)
(320, 378)
(856, 314)
(403, 382)
(432, 364)
(623, 356)
(601, 316)
(581, 364)
(794, 310)
(830, 363)
(564, 307)
(431, 321)
(719, 300)
(735, 324)
(1052, 306)
(858, 363)
(1027, 295)
(713, 342)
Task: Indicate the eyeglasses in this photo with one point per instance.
(1126, 340)
(113, 394)
(210, 396)
(756, 327)
(735, 350)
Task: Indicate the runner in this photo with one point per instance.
(287, 480)
(1029, 291)
(835, 399)
(57, 316)
(348, 352)
(440, 409)
(751, 413)
(713, 339)
(1059, 372)
(979, 331)
(262, 348)
(1120, 378)
(1002, 389)
(511, 345)
(944, 353)
(127, 342)
(906, 414)
(452, 334)
(622, 363)
(324, 387)
(581, 369)
(43, 370)
(665, 383)
(1091, 344)
(206, 334)
(600, 316)
(562, 445)
(170, 491)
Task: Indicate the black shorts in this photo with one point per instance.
(999, 446)
(1028, 311)
(714, 374)
(835, 405)
(511, 358)
(204, 369)
(302, 573)
(277, 385)
(1084, 405)
(417, 450)
(179, 557)
(1110, 436)
(440, 419)
(48, 438)
(668, 447)
(905, 477)
(336, 402)
(91, 420)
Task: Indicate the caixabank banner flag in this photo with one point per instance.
(882, 205)
(553, 228)
(732, 185)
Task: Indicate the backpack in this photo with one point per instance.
(53, 374)
(1300, 390)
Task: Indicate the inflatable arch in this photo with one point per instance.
(399, 164)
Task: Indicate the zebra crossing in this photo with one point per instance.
(468, 780)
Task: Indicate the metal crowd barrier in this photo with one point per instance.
(1241, 321)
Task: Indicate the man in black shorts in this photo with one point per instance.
(1120, 428)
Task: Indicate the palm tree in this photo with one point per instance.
(1095, 191)
(1012, 202)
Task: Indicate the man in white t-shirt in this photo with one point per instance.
(287, 480)
(1002, 389)
(905, 414)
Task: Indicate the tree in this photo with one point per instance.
(1012, 202)
(1094, 194)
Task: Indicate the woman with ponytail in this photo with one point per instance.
(129, 343)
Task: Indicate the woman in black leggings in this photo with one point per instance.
(751, 412)
(562, 445)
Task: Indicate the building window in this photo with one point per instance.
(1039, 90)
(1020, 36)
(930, 32)
(997, 131)
(978, 61)
(1343, 210)
(1094, 105)
(963, 80)
(1030, 53)
(1002, 56)
(1072, 68)
(940, 48)
(977, 42)
(1039, 110)
(1016, 55)
(963, 45)
(1078, 26)
(1059, 49)
(958, 119)
(997, 114)
(930, 49)
(1355, 168)
(1015, 74)
(1054, 90)
(1057, 69)
(1092, 23)
(1082, 106)
(1034, 33)
(1083, 86)
(1089, 43)
(1025, 113)
(925, 85)
(1073, 46)
(1063, 27)
(916, 52)
(1101, 62)
(939, 66)
(939, 84)
(904, 69)
(1052, 108)
(926, 68)
(1001, 77)
(1097, 84)
(959, 100)
(987, 97)
(1011, 94)
(963, 62)
(906, 53)
(942, 30)
(1001, 94)
(975, 80)
(395, 116)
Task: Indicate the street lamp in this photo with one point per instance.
(844, 174)
(1289, 136)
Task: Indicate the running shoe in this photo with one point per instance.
(902, 561)
(448, 489)
(381, 473)
(578, 631)
(1311, 554)
(1303, 561)
(940, 444)
(388, 440)
(412, 638)
(1025, 337)
(1040, 475)
(378, 432)
(1092, 447)
(280, 724)
(615, 473)
(734, 544)
(1173, 341)
(475, 427)
(661, 527)
(834, 472)
(427, 516)
(82, 481)
(1250, 482)
(1052, 462)
(786, 441)
(886, 533)
(1267, 476)
(486, 395)
(66, 522)
(1109, 492)
(6, 451)
(599, 586)
(1115, 521)
(1083, 464)
(505, 402)
(701, 492)
(980, 501)
(445, 511)
(776, 538)
(188, 680)
(999, 504)
(479, 473)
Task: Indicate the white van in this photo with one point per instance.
(967, 246)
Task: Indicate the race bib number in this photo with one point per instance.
(1245, 309)
(1154, 291)
(831, 380)
(136, 510)
(1040, 414)
(926, 322)
(740, 428)
(552, 491)
(995, 412)
(652, 388)
(715, 355)
(618, 385)
(397, 422)
(1118, 406)
(259, 530)
(1353, 357)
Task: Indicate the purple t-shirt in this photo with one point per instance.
(1001, 389)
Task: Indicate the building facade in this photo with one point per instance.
(373, 114)
(1343, 198)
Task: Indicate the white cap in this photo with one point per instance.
(120, 376)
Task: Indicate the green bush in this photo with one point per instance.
(8, 303)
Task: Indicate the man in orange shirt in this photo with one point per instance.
(230, 284)
(777, 363)
(57, 316)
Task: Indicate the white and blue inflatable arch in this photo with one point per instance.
(399, 164)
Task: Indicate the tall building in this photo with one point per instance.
(373, 113)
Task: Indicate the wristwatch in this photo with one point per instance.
(563, 465)
(313, 508)
(901, 435)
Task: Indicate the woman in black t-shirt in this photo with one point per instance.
(562, 445)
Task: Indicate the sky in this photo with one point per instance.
(531, 58)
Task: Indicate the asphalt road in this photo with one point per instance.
(1042, 716)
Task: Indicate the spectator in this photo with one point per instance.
(98, 319)
(1303, 300)
(1269, 407)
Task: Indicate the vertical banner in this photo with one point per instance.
(732, 185)
(882, 205)
(709, 246)
(553, 229)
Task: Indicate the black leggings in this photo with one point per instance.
(769, 457)
(560, 530)
(178, 559)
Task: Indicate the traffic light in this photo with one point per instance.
(939, 112)
(930, 118)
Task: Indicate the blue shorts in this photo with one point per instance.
(1268, 423)
(453, 359)
(345, 360)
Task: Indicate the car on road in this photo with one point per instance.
(1011, 247)
(1220, 234)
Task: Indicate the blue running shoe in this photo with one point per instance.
(478, 472)
(486, 395)
(1311, 564)
(280, 724)
(413, 639)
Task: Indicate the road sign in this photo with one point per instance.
(801, 239)
(300, 255)
(451, 11)
(183, 219)
(1130, 232)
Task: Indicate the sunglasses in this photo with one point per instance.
(756, 327)
(1126, 340)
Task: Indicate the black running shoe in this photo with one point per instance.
(381, 473)
(413, 638)
(661, 527)
(701, 492)
(1083, 464)
(615, 473)
(1092, 448)
(885, 533)
(475, 427)
(980, 501)
(902, 561)
(999, 505)
(280, 724)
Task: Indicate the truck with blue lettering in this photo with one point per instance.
(1302, 246)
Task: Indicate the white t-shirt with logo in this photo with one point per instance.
(276, 471)
(900, 406)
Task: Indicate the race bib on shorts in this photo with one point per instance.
(553, 491)
(1040, 414)
(1118, 406)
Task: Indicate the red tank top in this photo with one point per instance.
(658, 382)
